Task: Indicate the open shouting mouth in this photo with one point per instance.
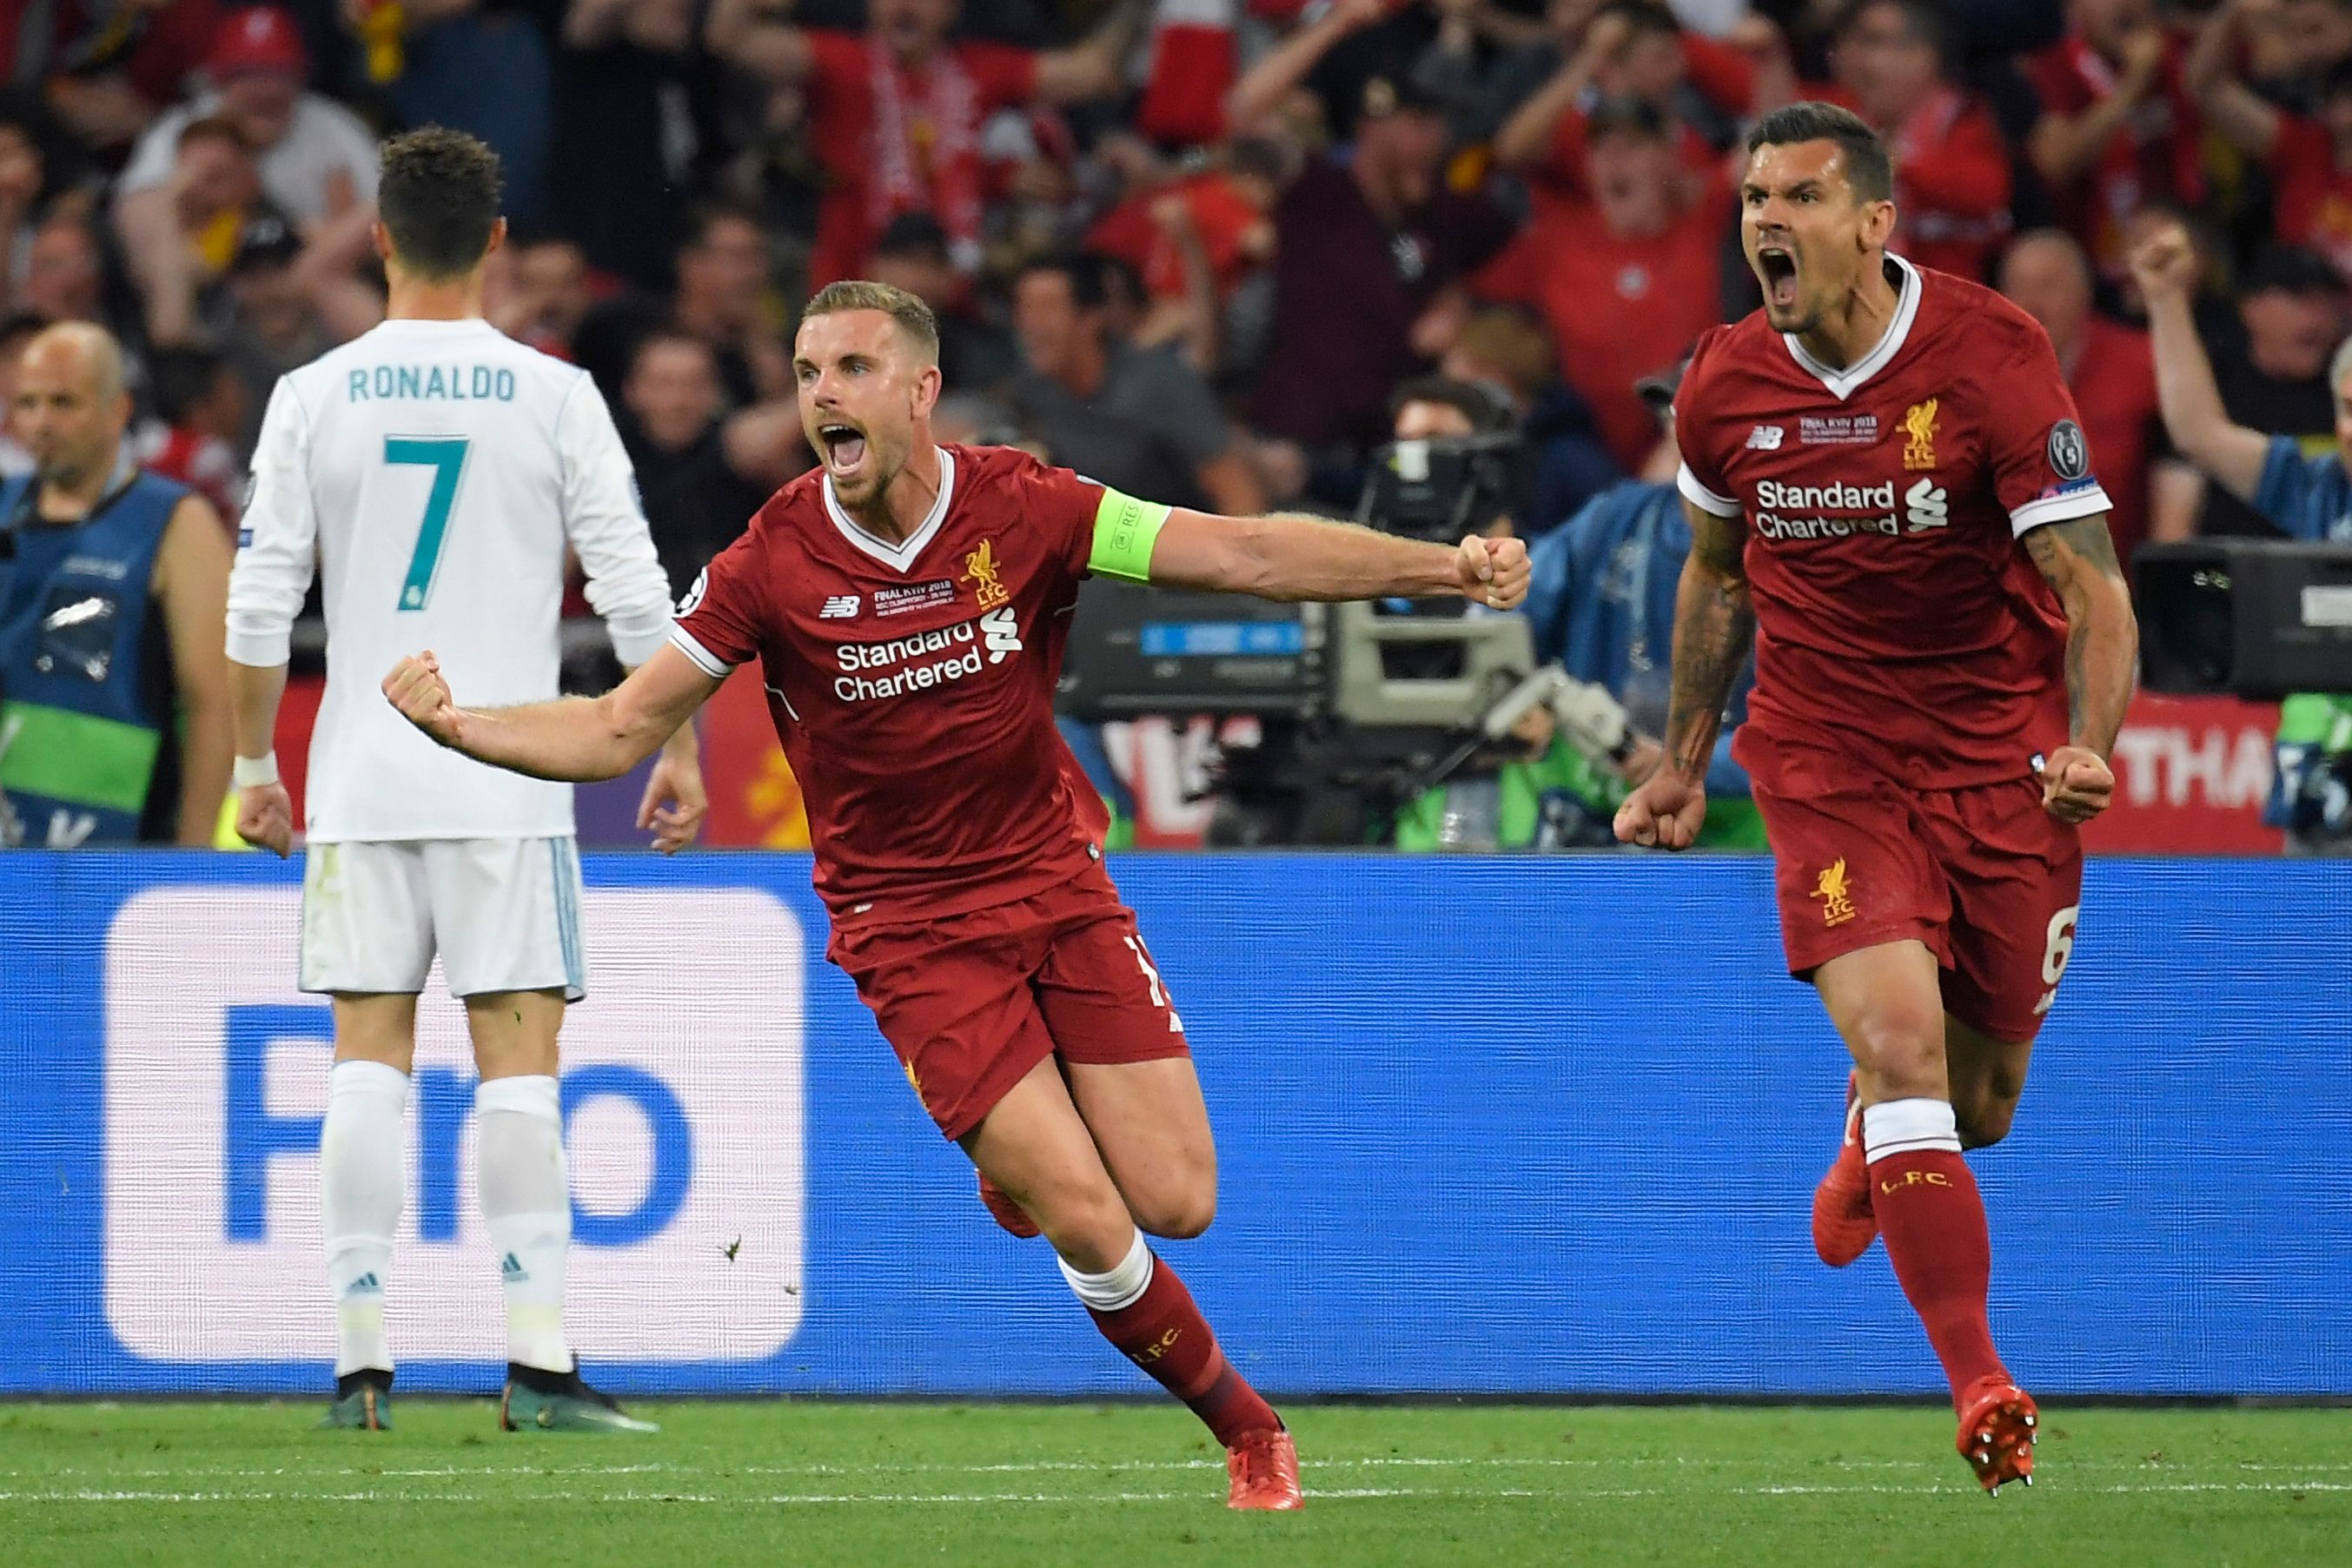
(1776, 264)
(845, 447)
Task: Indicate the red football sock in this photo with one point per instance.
(1164, 1333)
(1932, 1221)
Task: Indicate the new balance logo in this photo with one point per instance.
(1003, 632)
(840, 607)
(1926, 506)
(1766, 438)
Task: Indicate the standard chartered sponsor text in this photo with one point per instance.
(853, 657)
(1874, 502)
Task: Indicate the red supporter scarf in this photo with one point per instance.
(926, 148)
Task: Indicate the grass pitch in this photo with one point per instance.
(1035, 1487)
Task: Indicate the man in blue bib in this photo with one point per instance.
(114, 724)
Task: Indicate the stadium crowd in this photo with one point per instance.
(1190, 247)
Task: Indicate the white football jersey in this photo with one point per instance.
(435, 471)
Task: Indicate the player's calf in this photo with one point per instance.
(1928, 1209)
(1144, 1309)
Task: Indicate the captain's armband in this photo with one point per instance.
(1125, 530)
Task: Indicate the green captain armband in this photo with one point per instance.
(1124, 529)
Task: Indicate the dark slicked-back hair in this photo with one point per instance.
(438, 196)
(1868, 169)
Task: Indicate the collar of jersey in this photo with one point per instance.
(1841, 383)
(900, 557)
(418, 326)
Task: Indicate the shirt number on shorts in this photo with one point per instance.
(446, 455)
(2061, 944)
(1151, 979)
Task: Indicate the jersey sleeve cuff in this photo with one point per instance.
(260, 648)
(1699, 495)
(709, 663)
(633, 645)
(2042, 509)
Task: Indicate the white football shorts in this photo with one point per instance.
(503, 913)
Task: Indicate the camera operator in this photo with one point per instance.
(2305, 497)
(1601, 608)
(1553, 781)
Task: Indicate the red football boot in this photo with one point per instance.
(1998, 1431)
(1844, 1226)
(1264, 1468)
(1009, 1214)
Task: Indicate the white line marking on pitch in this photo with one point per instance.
(814, 1499)
(1108, 1468)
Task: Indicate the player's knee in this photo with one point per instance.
(1092, 1230)
(1902, 1047)
(1178, 1215)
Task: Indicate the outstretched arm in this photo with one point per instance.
(1296, 557)
(575, 739)
(2078, 559)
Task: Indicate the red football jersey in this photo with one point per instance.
(912, 686)
(1896, 616)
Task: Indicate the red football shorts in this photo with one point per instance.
(971, 1002)
(1984, 876)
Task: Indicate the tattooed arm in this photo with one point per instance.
(2078, 559)
(1714, 625)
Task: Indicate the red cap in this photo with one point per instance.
(262, 38)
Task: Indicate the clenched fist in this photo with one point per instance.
(1493, 572)
(2076, 784)
(417, 689)
(1664, 811)
(264, 818)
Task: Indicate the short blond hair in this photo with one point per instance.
(913, 317)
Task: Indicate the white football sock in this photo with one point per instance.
(1907, 1127)
(362, 1149)
(1117, 1287)
(527, 1205)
